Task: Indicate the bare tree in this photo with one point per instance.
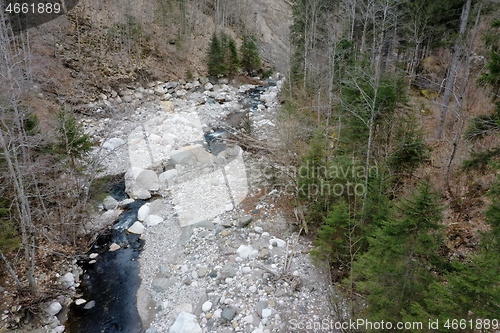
(452, 72)
(15, 75)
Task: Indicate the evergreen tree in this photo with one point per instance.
(250, 58)
(216, 58)
(233, 58)
(402, 258)
(332, 243)
(72, 141)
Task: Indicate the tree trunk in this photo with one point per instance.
(452, 73)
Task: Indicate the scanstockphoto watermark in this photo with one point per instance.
(334, 180)
(329, 325)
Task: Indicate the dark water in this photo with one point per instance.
(111, 282)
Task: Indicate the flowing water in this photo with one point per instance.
(111, 282)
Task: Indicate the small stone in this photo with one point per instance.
(89, 305)
(264, 254)
(252, 289)
(228, 313)
(229, 207)
(80, 301)
(126, 202)
(266, 313)
(202, 271)
(247, 320)
(206, 306)
(184, 307)
(93, 255)
(217, 314)
(136, 228)
(261, 305)
(92, 262)
(225, 233)
(113, 247)
(244, 221)
(246, 269)
(227, 271)
(59, 329)
(258, 230)
(184, 323)
(277, 242)
(213, 274)
(152, 330)
(244, 251)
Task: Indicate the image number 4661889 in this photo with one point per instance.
(25, 14)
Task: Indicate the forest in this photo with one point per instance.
(406, 93)
(390, 116)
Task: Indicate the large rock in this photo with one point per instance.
(113, 143)
(53, 308)
(202, 156)
(139, 183)
(103, 221)
(143, 212)
(167, 175)
(153, 220)
(136, 228)
(68, 280)
(182, 157)
(148, 180)
(162, 284)
(109, 203)
(185, 323)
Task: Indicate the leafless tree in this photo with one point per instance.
(15, 79)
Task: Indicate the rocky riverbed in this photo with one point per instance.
(219, 256)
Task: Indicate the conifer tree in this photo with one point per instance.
(399, 266)
(233, 58)
(250, 58)
(331, 243)
(216, 60)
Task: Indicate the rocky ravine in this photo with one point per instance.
(207, 265)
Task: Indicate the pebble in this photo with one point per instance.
(228, 313)
(206, 306)
(80, 301)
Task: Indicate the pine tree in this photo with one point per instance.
(73, 143)
(250, 58)
(331, 244)
(216, 59)
(233, 58)
(399, 266)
